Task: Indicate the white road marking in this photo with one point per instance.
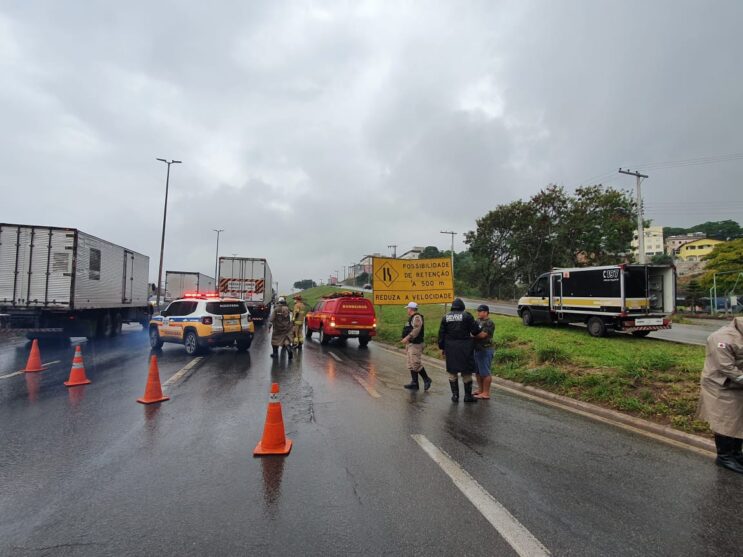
(21, 372)
(181, 373)
(369, 389)
(518, 537)
(337, 358)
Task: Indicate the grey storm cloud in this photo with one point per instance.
(314, 133)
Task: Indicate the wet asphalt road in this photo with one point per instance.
(88, 471)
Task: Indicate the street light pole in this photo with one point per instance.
(452, 233)
(216, 257)
(162, 242)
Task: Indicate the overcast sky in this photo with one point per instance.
(316, 132)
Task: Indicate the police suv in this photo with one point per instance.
(200, 321)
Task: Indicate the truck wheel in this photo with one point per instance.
(640, 334)
(106, 326)
(324, 339)
(596, 327)
(117, 325)
(191, 342)
(527, 318)
(307, 330)
(364, 341)
(155, 341)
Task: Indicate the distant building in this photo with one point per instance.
(653, 241)
(673, 243)
(366, 264)
(697, 249)
(413, 253)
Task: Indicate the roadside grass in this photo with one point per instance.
(649, 378)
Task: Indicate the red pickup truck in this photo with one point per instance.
(342, 315)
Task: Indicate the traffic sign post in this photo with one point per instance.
(424, 281)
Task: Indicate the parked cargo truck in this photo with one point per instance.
(62, 282)
(178, 283)
(637, 299)
(250, 280)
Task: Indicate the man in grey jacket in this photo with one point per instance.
(721, 396)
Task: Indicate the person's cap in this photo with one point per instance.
(412, 305)
(483, 307)
(282, 299)
(457, 304)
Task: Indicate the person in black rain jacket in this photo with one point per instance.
(456, 343)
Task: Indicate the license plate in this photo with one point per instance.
(353, 333)
(648, 321)
(231, 325)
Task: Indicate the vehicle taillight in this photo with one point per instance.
(332, 323)
(206, 320)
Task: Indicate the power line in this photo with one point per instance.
(663, 165)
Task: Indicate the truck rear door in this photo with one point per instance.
(36, 266)
(354, 315)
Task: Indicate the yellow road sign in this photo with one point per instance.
(425, 281)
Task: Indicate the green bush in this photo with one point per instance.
(509, 356)
(551, 354)
(546, 376)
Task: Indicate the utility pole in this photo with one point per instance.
(393, 247)
(344, 272)
(640, 223)
(452, 256)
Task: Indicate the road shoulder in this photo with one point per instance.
(647, 428)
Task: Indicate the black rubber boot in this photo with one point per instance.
(290, 352)
(725, 453)
(413, 385)
(468, 393)
(275, 353)
(426, 379)
(738, 450)
(454, 390)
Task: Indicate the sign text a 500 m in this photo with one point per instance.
(425, 281)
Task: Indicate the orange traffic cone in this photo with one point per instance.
(34, 359)
(77, 372)
(274, 440)
(153, 392)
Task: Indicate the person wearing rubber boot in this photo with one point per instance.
(456, 333)
(721, 395)
(412, 338)
(281, 327)
(298, 313)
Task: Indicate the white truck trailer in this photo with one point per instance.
(178, 283)
(250, 280)
(62, 282)
(637, 299)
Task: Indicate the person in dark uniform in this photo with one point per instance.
(457, 345)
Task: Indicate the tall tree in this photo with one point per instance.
(694, 291)
(430, 252)
(599, 226)
(725, 258)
